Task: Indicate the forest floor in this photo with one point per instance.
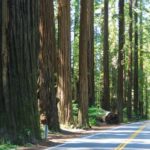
(65, 135)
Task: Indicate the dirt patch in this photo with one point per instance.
(65, 135)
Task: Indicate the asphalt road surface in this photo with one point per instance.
(134, 136)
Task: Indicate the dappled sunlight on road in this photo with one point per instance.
(132, 136)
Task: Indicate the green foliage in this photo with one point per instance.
(24, 136)
(75, 108)
(7, 146)
(42, 131)
(94, 114)
(92, 121)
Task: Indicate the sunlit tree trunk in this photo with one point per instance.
(47, 94)
(64, 64)
(83, 71)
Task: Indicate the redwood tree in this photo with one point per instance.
(130, 73)
(136, 84)
(121, 60)
(19, 121)
(106, 92)
(64, 64)
(83, 71)
(1, 81)
(47, 93)
(90, 55)
(141, 65)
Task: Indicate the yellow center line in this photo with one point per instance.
(123, 145)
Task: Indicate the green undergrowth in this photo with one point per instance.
(8, 147)
(94, 113)
(134, 118)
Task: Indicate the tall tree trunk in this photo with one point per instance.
(47, 94)
(141, 75)
(121, 60)
(83, 71)
(129, 102)
(4, 98)
(113, 57)
(20, 52)
(90, 56)
(2, 32)
(106, 92)
(136, 84)
(64, 66)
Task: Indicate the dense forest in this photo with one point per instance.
(61, 60)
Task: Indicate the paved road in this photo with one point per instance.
(135, 136)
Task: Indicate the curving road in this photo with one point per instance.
(134, 136)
